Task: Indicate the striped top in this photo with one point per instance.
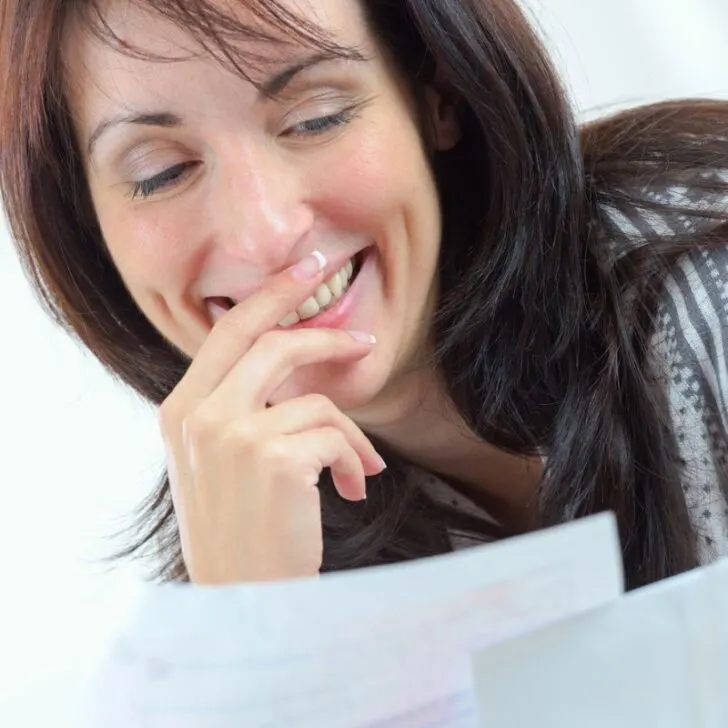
(689, 351)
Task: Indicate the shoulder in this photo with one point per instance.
(676, 209)
(693, 311)
(692, 317)
(690, 352)
(689, 345)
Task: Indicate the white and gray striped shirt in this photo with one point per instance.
(689, 349)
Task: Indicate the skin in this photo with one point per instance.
(264, 183)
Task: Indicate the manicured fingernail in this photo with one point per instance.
(309, 267)
(379, 462)
(361, 336)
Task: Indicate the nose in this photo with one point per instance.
(260, 212)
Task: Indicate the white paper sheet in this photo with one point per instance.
(386, 646)
(656, 657)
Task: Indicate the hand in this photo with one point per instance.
(243, 476)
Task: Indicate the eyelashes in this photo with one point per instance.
(321, 124)
(147, 187)
(171, 176)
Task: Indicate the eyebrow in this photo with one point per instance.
(270, 88)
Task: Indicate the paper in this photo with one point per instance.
(386, 646)
(657, 657)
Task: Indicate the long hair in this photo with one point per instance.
(541, 331)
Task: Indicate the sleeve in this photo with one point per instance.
(690, 345)
(689, 350)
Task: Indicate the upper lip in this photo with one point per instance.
(333, 265)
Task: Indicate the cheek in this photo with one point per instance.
(147, 248)
(358, 194)
(375, 175)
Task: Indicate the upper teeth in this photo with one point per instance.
(327, 293)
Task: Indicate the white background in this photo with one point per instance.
(77, 452)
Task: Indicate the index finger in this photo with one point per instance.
(236, 332)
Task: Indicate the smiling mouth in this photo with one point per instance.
(327, 295)
(325, 298)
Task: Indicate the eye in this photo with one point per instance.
(147, 187)
(321, 124)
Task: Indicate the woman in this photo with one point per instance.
(210, 196)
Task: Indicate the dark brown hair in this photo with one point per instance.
(541, 330)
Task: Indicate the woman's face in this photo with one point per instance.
(204, 187)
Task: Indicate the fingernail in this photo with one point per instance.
(382, 464)
(309, 267)
(361, 336)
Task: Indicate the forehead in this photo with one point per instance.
(264, 27)
(138, 41)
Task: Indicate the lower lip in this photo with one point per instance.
(339, 314)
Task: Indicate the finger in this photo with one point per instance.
(233, 335)
(179, 475)
(313, 411)
(332, 450)
(274, 357)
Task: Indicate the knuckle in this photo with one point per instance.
(205, 428)
(274, 346)
(338, 437)
(274, 450)
(199, 427)
(238, 435)
(321, 404)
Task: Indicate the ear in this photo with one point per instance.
(444, 122)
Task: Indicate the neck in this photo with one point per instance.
(417, 420)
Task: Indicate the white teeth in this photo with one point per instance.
(308, 309)
(323, 295)
(335, 285)
(326, 294)
(289, 320)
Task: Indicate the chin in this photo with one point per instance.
(348, 386)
